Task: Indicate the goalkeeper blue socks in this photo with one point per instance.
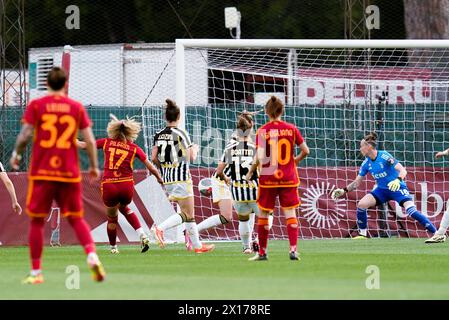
(422, 219)
(362, 218)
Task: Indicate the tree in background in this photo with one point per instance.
(427, 19)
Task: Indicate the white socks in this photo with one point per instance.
(362, 232)
(444, 224)
(92, 258)
(251, 221)
(140, 232)
(172, 221)
(210, 222)
(245, 233)
(192, 229)
(35, 273)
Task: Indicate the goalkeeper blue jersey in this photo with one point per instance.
(382, 169)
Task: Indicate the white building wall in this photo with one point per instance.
(109, 75)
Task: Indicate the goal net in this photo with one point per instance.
(335, 92)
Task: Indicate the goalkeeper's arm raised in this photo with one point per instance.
(337, 193)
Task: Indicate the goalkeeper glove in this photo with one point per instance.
(394, 185)
(337, 193)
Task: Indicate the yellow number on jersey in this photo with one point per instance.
(112, 153)
(276, 151)
(49, 122)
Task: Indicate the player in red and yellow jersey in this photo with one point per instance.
(278, 176)
(117, 184)
(54, 172)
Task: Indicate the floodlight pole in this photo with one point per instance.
(237, 29)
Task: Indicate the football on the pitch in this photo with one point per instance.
(205, 186)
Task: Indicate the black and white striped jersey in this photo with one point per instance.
(239, 156)
(2, 168)
(172, 144)
(227, 169)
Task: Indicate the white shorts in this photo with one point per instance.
(220, 190)
(179, 190)
(243, 207)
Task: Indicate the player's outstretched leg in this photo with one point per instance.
(133, 220)
(187, 206)
(171, 222)
(82, 231)
(36, 242)
(216, 220)
(212, 222)
(192, 230)
(418, 216)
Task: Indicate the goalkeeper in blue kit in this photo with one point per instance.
(389, 175)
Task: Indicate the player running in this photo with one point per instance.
(389, 175)
(233, 167)
(117, 184)
(54, 172)
(231, 170)
(221, 196)
(275, 143)
(440, 235)
(172, 153)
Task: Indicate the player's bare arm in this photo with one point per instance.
(21, 142)
(91, 149)
(305, 151)
(220, 172)
(153, 170)
(12, 192)
(441, 154)
(337, 193)
(154, 157)
(253, 167)
(193, 152)
(402, 172)
(81, 144)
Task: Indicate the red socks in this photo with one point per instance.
(82, 231)
(292, 230)
(262, 231)
(112, 230)
(36, 241)
(131, 217)
(36, 238)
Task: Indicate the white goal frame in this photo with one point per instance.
(182, 44)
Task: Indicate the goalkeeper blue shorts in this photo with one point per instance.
(383, 195)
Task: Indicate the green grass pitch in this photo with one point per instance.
(329, 269)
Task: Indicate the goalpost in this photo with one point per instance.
(335, 91)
